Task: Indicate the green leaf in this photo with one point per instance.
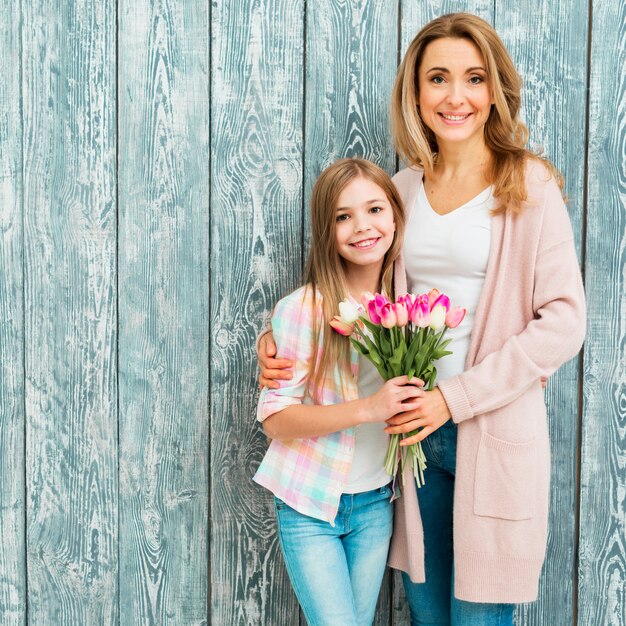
(396, 359)
(359, 346)
(385, 346)
(375, 328)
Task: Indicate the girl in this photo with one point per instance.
(325, 463)
(487, 225)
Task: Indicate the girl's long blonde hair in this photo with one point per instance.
(325, 269)
(505, 134)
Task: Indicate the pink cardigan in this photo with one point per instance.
(530, 320)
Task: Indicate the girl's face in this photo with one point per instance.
(364, 223)
(454, 91)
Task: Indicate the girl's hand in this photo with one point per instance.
(430, 413)
(396, 395)
(271, 369)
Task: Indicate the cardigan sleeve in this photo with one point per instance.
(551, 338)
(292, 326)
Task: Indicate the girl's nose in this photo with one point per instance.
(361, 224)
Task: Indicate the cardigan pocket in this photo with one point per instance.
(504, 485)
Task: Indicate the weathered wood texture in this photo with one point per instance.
(351, 52)
(256, 226)
(12, 467)
(68, 60)
(163, 304)
(602, 565)
(553, 67)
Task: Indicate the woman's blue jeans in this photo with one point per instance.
(433, 602)
(337, 571)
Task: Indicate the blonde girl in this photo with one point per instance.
(325, 463)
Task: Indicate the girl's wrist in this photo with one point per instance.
(361, 411)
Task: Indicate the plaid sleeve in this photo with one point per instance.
(292, 326)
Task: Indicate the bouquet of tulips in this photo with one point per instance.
(402, 337)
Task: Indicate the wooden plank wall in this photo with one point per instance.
(156, 162)
(163, 277)
(69, 212)
(12, 479)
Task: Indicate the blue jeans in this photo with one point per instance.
(433, 602)
(337, 571)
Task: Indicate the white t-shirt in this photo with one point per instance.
(450, 252)
(370, 447)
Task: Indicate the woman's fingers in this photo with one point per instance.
(269, 377)
(418, 437)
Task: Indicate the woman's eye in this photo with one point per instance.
(476, 80)
(438, 80)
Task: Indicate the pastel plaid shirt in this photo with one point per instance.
(308, 474)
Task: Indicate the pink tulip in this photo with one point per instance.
(388, 316)
(343, 328)
(372, 312)
(433, 294)
(420, 311)
(402, 314)
(442, 300)
(455, 316)
(366, 298)
(406, 299)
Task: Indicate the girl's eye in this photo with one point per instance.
(376, 209)
(343, 217)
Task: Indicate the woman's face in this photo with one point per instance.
(454, 91)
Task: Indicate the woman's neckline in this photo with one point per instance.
(480, 198)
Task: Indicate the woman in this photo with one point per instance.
(486, 224)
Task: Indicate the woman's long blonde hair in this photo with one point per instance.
(505, 134)
(325, 269)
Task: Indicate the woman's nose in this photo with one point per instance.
(455, 94)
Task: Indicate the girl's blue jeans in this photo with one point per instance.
(337, 571)
(433, 602)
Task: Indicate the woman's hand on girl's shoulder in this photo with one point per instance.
(272, 369)
(395, 396)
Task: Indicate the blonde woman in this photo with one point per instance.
(486, 224)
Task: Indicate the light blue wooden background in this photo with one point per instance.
(156, 159)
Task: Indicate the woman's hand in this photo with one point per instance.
(271, 369)
(430, 414)
(396, 395)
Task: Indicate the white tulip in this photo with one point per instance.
(438, 317)
(348, 312)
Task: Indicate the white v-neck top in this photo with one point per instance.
(450, 252)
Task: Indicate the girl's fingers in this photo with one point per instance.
(416, 381)
(411, 392)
